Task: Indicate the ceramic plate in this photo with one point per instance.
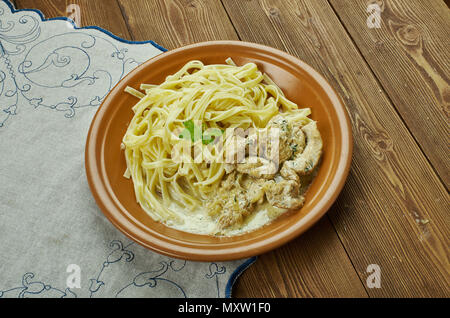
(105, 161)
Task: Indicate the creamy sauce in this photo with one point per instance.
(199, 222)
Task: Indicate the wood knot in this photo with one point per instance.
(409, 35)
(382, 144)
(274, 12)
(379, 44)
(379, 142)
(192, 5)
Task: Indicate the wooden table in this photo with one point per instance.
(394, 81)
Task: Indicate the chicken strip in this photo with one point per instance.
(304, 162)
(284, 194)
(258, 167)
(269, 147)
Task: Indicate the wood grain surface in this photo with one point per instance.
(393, 210)
(410, 55)
(103, 13)
(178, 22)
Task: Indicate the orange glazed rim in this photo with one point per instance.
(114, 194)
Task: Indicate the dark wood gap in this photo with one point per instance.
(231, 21)
(125, 19)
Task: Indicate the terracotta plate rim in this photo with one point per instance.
(155, 241)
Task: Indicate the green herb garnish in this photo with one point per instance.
(309, 166)
(194, 133)
(209, 135)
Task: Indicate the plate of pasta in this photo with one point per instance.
(218, 151)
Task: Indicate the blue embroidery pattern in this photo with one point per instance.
(144, 279)
(152, 278)
(58, 73)
(214, 271)
(30, 288)
(115, 256)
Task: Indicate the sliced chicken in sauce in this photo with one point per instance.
(304, 162)
(284, 194)
(255, 179)
(258, 167)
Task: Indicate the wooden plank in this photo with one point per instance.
(310, 266)
(103, 13)
(183, 22)
(410, 56)
(393, 210)
(177, 23)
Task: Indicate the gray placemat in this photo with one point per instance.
(55, 242)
